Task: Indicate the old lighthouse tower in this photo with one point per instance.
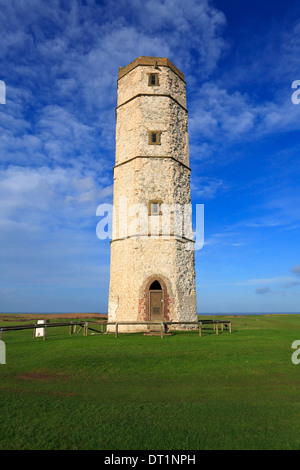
(152, 270)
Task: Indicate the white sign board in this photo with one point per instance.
(2, 353)
(40, 331)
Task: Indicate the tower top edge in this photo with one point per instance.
(150, 61)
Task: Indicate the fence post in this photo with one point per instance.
(230, 327)
(217, 331)
(45, 333)
(116, 332)
(0, 334)
(200, 329)
(71, 329)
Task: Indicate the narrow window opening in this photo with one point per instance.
(154, 137)
(155, 207)
(153, 79)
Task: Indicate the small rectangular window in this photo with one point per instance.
(155, 207)
(154, 137)
(153, 79)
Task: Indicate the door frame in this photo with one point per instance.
(161, 291)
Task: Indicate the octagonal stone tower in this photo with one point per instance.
(152, 271)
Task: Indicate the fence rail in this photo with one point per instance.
(85, 325)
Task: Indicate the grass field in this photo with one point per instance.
(182, 392)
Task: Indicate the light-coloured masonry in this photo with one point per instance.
(147, 172)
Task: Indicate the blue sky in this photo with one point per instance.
(60, 60)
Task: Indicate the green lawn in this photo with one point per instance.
(183, 392)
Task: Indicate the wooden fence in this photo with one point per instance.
(44, 326)
(164, 325)
(85, 325)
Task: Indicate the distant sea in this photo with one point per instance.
(200, 313)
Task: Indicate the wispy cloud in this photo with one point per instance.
(217, 113)
(289, 284)
(296, 270)
(205, 187)
(280, 280)
(263, 290)
(51, 197)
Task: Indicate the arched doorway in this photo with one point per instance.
(162, 287)
(156, 301)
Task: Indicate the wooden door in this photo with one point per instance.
(156, 305)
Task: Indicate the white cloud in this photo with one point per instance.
(263, 290)
(264, 281)
(227, 238)
(289, 284)
(296, 270)
(205, 187)
(215, 113)
(48, 228)
(55, 197)
(64, 65)
(218, 114)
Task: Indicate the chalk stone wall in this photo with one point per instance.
(143, 173)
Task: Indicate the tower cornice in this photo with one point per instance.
(150, 61)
